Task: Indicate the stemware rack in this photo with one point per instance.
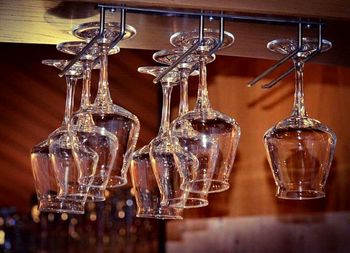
(300, 23)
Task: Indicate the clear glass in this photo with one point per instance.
(71, 169)
(188, 138)
(74, 47)
(107, 115)
(219, 133)
(89, 30)
(103, 142)
(46, 184)
(73, 164)
(147, 194)
(299, 149)
(210, 39)
(105, 145)
(168, 159)
(57, 172)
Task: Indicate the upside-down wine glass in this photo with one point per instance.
(105, 114)
(56, 170)
(73, 170)
(46, 185)
(147, 194)
(211, 124)
(169, 160)
(299, 149)
(190, 139)
(103, 142)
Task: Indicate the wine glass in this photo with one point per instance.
(99, 139)
(63, 145)
(46, 184)
(189, 139)
(211, 124)
(147, 194)
(299, 149)
(169, 161)
(57, 172)
(105, 114)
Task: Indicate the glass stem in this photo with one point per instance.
(299, 106)
(103, 96)
(85, 93)
(183, 107)
(71, 83)
(165, 121)
(202, 97)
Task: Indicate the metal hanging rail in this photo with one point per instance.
(188, 52)
(222, 34)
(283, 60)
(195, 47)
(202, 15)
(291, 69)
(233, 17)
(89, 45)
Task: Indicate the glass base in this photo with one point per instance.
(164, 213)
(299, 195)
(211, 37)
(287, 46)
(195, 203)
(88, 31)
(218, 186)
(61, 206)
(76, 70)
(172, 78)
(168, 57)
(74, 47)
(116, 181)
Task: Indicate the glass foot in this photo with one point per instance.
(74, 47)
(287, 46)
(172, 77)
(76, 70)
(88, 31)
(168, 57)
(211, 38)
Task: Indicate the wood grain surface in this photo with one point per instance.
(51, 22)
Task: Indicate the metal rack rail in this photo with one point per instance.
(302, 24)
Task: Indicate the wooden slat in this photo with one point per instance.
(335, 9)
(322, 233)
(49, 22)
